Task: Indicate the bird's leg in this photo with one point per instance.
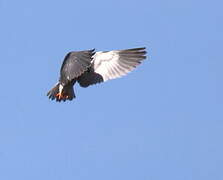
(60, 95)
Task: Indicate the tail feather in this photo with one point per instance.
(67, 93)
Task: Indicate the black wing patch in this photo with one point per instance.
(75, 64)
(108, 65)
(89, 77)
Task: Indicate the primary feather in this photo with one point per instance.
(108, 65)
(89, 67)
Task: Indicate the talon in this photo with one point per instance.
(59, 95)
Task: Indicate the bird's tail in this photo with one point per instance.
(66, 94)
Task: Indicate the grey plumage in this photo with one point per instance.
(90, 67)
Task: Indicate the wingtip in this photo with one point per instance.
(136, 49)
(92, 50)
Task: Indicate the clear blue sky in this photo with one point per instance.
(164, 121)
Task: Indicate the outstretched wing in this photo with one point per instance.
(75, 63)
(111, 64)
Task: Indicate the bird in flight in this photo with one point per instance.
(89, 67)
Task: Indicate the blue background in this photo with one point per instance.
(162, 121)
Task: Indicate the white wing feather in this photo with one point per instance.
(111, 64)
(106, 65)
